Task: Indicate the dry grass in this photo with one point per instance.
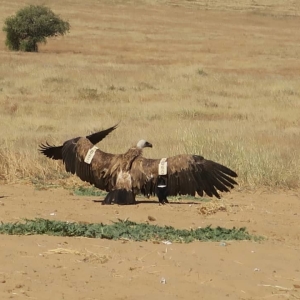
(86, 255)
(190, 76)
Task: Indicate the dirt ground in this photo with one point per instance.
(46, 267)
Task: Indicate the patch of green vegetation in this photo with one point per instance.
(201, 72)
(124, 230)
(116, 88)
(89, 191)
(88, 93)
(41, 185)
(188, 197)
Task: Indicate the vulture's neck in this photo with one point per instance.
(130, 156)
(133, 152)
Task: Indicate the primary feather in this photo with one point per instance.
(56, 152)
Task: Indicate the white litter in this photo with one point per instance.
(163, 280)
(167, 242)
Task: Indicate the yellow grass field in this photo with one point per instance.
(199, 77)
(210, 77)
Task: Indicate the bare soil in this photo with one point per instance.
(47, 267)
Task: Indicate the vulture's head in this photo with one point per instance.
(142, 144)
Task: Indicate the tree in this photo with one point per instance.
(32, 25)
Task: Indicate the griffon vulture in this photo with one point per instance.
(124, 176)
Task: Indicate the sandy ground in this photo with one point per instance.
(46, 267)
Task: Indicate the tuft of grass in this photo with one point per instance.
(39, 186)
(88, 191)
(125, 230)
(188, 197)
(201, 72)
(88, 93)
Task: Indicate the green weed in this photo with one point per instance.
(124, 230)
(88, 191)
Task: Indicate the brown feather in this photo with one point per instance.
(186, 175)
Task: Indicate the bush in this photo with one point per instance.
(32, 25)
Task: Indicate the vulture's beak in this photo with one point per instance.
(148, 145)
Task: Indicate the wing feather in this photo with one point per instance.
(219, 185)
(95, 172)
(51, 151)
(225, 180)
(73, 152)
(69, 155)
(97, 137)
(56, 152)
(187, 174)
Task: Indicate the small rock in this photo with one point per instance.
(150, 218)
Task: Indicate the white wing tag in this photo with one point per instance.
(163, 167)
(89, 156)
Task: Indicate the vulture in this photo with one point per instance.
(126, 175)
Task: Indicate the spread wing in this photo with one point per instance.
(101, 172)
(56, 152)
(186, 175)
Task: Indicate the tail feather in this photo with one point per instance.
(121, 197)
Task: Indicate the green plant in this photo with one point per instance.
(188, 197)
(88, 191)
(201, 72)
(32, 25)
(88, 93)
(125, 229)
